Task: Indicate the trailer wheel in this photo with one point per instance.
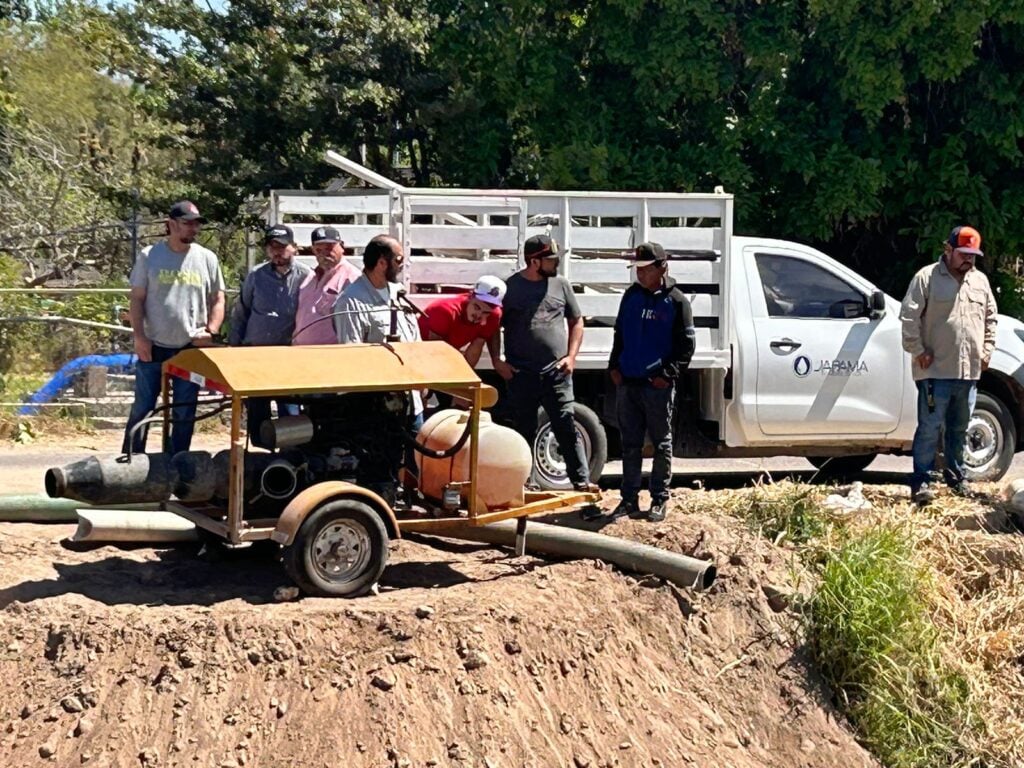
(340, 550)
(548, 463)
(841, 466)
(991, 440)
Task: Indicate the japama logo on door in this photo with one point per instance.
(802, 366)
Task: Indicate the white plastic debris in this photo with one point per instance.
(853, 501)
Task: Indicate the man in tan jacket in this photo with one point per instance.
(949, 328)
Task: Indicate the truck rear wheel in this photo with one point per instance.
(841, 466)
(991, 440)
(548, 463)
(339, 551)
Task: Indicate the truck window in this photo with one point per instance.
(797, 288)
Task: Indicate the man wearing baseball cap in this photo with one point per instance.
(654, 341)
(543, 333)
(264, 312)
(468, 321)
(949, 329)
(321, 289)
(177, 301)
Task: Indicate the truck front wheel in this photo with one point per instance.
(548, 463)
(991, 440)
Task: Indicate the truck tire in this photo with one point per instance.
(841, 466)
(340, 550)
(991, 440)
(548, 464)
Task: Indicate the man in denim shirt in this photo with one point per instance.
(264, 313)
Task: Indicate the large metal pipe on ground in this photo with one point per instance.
(112, 525)
(573, 543)
(33, 508)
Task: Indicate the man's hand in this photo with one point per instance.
(144, 349)
(925, 359)
(504, 370)
(566, 365)
(616, 376)
(202, 339)
(659, 382)
(985, 364)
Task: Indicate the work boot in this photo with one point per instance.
(586, 487)
(923, 495)
(657, 511)
(626, 507)
(962, 489)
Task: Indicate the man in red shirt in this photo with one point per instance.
(468, 321)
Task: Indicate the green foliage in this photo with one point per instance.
(869, 634)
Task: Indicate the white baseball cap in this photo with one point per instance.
(490, 289)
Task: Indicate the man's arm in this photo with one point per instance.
(913, 307)
(215, 319)
(684, 338)
(991, 319)
(137, 313)
(348, 325)
(241, 310)
(613, 358)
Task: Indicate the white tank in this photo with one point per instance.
(503, 461)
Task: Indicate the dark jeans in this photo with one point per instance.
(643, 409)
(147, 391)
(953, 402)
(553, 391)
(257, 410)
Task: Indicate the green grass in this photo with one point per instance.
(783, 512)
(869, 635)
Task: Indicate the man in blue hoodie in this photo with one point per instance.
(654, 341)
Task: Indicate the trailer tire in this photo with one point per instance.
(841, 466)
(340, 550)
(991, 440)
(549, 466)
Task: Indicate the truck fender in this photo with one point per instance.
(301, 506)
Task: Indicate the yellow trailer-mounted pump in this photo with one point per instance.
(338, 481)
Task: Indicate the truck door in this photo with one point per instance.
(825, 367)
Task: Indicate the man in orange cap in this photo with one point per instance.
(949, 329)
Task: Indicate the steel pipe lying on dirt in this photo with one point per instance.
(32, 508)
(573, 543)
(114, 525)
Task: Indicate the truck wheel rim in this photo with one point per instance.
(341, 551)
(984, 436)
(547, 458)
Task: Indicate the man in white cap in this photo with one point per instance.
(469, 320)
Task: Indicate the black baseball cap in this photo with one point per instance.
(325, 235)
(646, 254)
(541, 246)
(186, 210)
(279, 233)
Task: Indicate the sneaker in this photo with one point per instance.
(657, 511)
(625, 508)
(923, 495)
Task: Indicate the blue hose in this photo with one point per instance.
(63, 378)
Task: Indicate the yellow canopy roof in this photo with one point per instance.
(259, 371)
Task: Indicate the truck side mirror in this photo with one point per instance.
(877, 305)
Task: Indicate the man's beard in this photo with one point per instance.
(545, 273)
(392, 274)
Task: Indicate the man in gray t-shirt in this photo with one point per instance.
(177, 301)
(543, 333)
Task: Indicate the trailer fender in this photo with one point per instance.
(301, 506)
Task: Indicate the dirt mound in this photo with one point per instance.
(465, 658)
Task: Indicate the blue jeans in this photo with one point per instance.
(147, 391)
(952, 405)
(258, 410)
(642, 409)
